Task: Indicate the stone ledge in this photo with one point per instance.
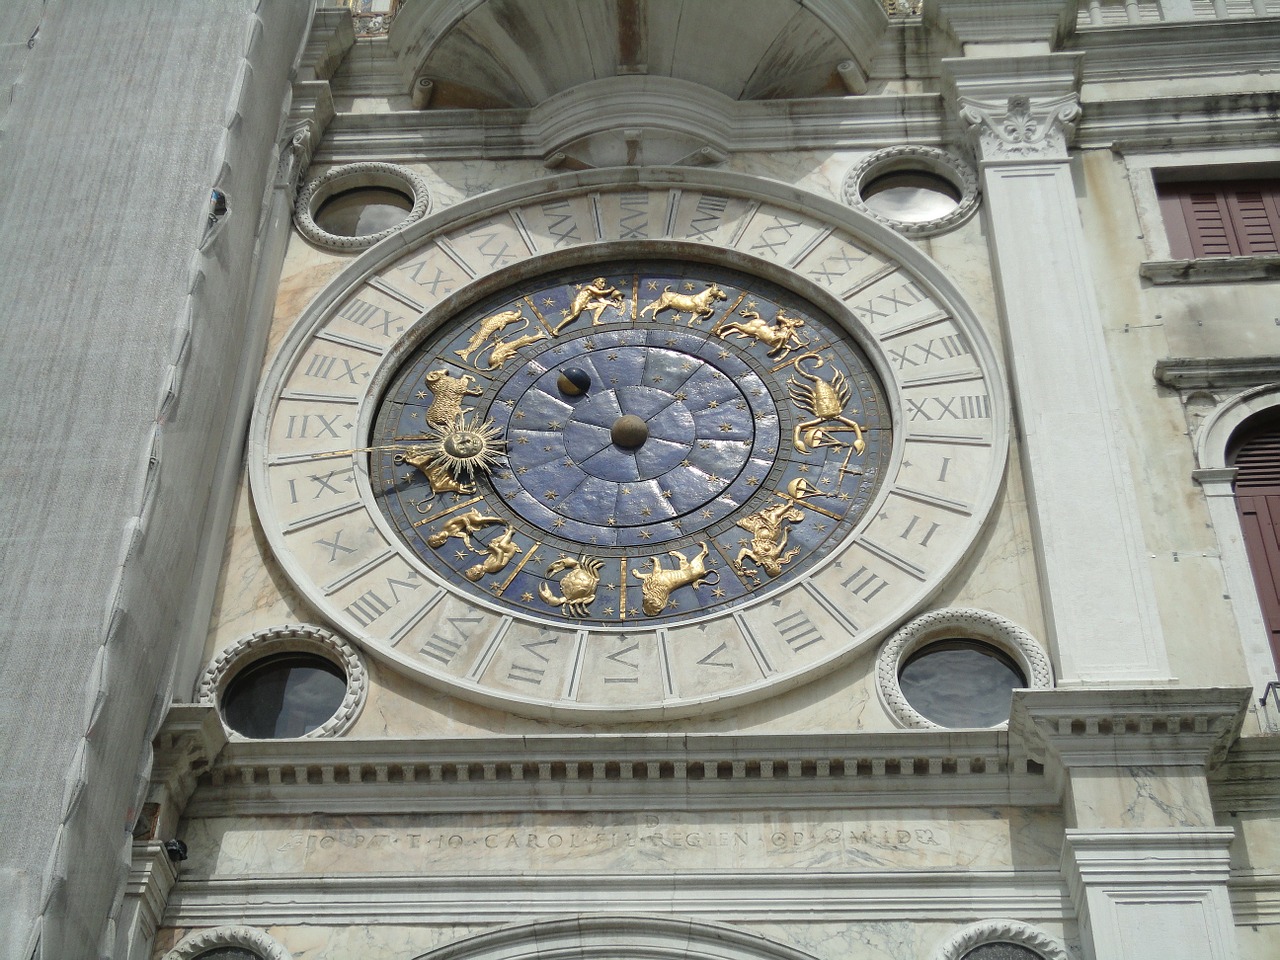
(792, 896)
(1212, 269)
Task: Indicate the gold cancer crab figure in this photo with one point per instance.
(577, 586)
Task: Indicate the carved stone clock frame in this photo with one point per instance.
(942, 394)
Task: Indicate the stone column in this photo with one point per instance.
(1145, 864)
(1094, 575)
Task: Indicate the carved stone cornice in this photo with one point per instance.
(1149, 727)
(620, 772)
(151, 877)
(1016, 109)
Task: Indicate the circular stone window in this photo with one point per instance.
(354, 206)
(228, 943)
(1000, 940)
(916, 190)
(958, 669)
(286, 682)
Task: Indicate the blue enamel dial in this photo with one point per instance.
(634, 441)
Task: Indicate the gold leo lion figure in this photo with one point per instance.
(825, 400)
(697, 305)
(596, 297)
(577, 586)
(768, 529)
(659, 583)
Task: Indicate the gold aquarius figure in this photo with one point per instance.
(596, 297)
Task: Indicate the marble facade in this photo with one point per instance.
(1126, 810)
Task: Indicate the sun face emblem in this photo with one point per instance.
(467, 447)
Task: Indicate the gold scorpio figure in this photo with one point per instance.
(825, 400)
(577, 586)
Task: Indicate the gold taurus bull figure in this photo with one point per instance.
(697, 305)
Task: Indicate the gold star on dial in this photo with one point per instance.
(527, 597)
(551, 495)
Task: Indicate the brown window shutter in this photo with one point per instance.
(1255, 220)
(1258, 505)
(1228, 218)
(1207, 216)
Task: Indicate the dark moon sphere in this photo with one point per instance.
(573, 381)
(629, 432)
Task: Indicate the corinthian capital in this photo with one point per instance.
(1022, 128)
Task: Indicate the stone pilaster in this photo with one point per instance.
(1098, 590)
(190, 740)
(1146, 865)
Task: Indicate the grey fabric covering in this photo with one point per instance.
(121, 323)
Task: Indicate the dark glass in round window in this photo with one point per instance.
(961, 683)
(362, 211)
(285, 696)
(911, 196)
(228, 953)
(1002, 951)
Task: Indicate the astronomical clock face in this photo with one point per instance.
(630, 486)
(640, 443)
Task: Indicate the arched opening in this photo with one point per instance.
(1255, 453)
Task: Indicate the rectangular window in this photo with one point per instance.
(1223, 218)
